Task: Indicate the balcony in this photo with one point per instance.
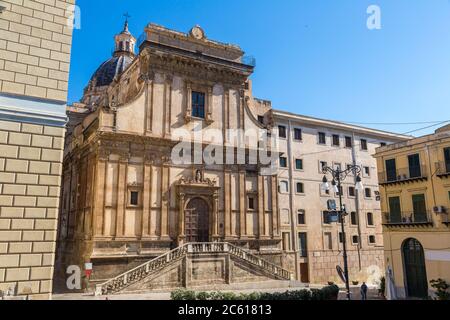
(443, 169)
(403, 176)
(408, 219)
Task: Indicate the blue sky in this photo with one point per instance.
(314, 57)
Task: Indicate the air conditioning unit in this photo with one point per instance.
(439, 209)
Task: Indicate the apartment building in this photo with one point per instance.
(312, 243)
(35, 46)
(415, 201)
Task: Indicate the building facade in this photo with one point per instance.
(126, 200)
(35, 45)
(312, 243)
(415, 194)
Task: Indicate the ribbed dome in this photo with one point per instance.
(111, 68)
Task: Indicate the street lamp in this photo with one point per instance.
(339, 176)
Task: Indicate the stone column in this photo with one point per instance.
(242, 206)
(209, 105)
(167, 104)
(227, 199)
(181, 218)
(188, 114)
(149, 103)
(99, 196)
(121, 196)
(274, 196)
(165, 201)
(261, 206)
(146, 199)
(215, 221)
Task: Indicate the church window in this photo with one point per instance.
(198, 104)
(134, 198)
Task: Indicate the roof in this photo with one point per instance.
(110, 69)
(339, 125)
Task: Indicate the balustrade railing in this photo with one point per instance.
(120, 282)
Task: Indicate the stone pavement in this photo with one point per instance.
(372, 295)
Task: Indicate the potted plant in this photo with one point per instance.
(441, 289)
(355, 283)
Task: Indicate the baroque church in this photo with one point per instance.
(124, 201)
(144, 220)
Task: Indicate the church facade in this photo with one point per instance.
(126, 196)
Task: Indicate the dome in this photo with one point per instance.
(110, 69)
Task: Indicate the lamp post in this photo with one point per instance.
(339, 176)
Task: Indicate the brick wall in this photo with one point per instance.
(35, 43)
(30, 170)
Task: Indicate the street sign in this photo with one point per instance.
(332, 216)
(341, 273)
(88, 266)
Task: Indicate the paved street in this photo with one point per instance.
(373, 294)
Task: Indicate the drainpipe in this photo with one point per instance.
(291, 200)
(357, 206)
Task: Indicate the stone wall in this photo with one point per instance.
(35, 43)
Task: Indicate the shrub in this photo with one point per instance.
(441, 289)
(326, 293)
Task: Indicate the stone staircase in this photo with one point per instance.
(157, 265)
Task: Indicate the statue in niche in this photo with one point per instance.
(198, 176)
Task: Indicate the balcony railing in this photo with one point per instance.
(443, 168)
(408, 218)
(403, 175)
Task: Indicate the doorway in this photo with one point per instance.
(197, 221)
(415, 270)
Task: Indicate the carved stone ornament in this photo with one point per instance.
(197, 33)
(198, 179)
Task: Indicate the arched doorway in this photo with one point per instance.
(415, 271)
(197, 221)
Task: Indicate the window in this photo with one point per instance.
(355, 239)
(326, 218)
(348, 142)
(414, 166)
(286, 241)
(300, 187)
(299, 164)
(282, 131)
(447, 159)
(261, 119)
(419, 208)
(298, 134)
(283, 162)
(336, 141)
(337, 166)
(368, 193)
(251, 203)
(364, 144)
(303, 244)
(395, 214)
(341, 191)
(301, 217)
(198, 104)
(366, 171)
(372, 239)
(353, 218)
(284, 187)
(351, 191)
(134, 198)
(328, 241)
(341, 237)
(391, 170)
(383, 144)
(322, 138)
(323, 165)
(369, 218)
